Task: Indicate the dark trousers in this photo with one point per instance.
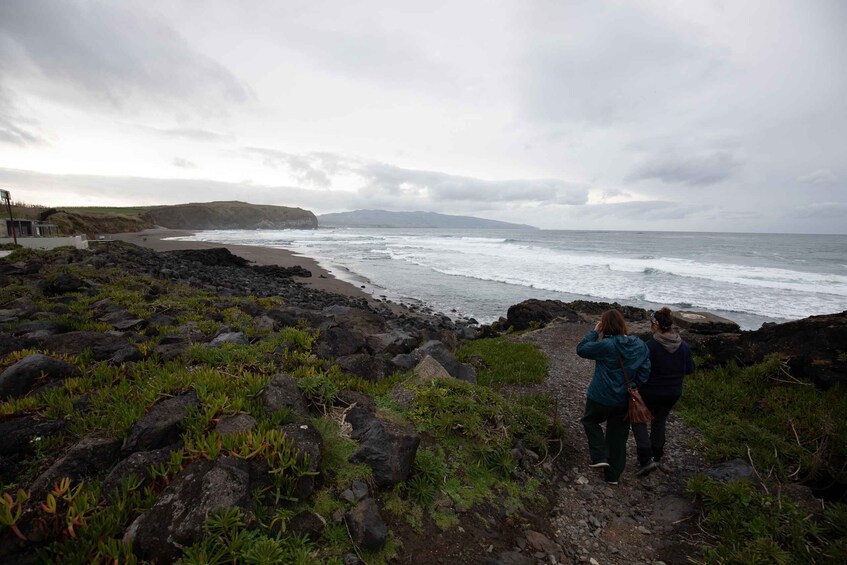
(652, 443)
(612, 447)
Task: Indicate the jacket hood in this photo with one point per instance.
(632, 349)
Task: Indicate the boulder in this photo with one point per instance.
(87, 459)
(129, 354)
(171, 351)
(591, 311)
(338, 342)
(162, 425)
(445, 358)
(130, 324)
(359, 320)
(539, 313)
(229, 337)
(429, 369)
(704, 323)
(235, 424)
(403, 362)
(18, 433)
(291, 316)
(307, 524)
(282, 393)
(217, 256)
(366, 525)
(102, 346)
(19, 308)
(388, 449)
(137, 464)
(394, 342)
(50, 326)
(308, 443)
(178, 517)
(364, 366)
(10, 344)
(20, 378)
(62, 283)
(729, 471)
(361, 409)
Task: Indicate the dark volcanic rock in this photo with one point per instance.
(61, 284)
(218, 256)
(285, 272)
(440, 353)
(338, 342)
(88, 458)
(102, 346)
(388, 449)
(128, 354)
(282, 393)
(394, 342)
(704, 323)
(20, 378)
(18, 308)
(364, 366)
(235, 424)
(162, 425)
(18, 433)
(593, 310)
(229, 337)
(814, 347)
(177, 518)
(308, 443)
(538, 312)
(360, 410)
(49, 326)
(307, 523)
(137, 464)
(366, 525)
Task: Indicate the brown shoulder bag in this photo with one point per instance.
(636, 412)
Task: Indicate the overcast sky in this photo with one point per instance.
(649, 115)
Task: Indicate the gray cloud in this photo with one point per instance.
(14, 129)
(822, 211)
(111, 53)
(821, 176)
(696, 170)
(194, 134)
(309, 169)
(609, 65)
(641, 211)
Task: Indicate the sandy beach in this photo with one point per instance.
(321, 279)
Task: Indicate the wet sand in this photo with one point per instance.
(321, 279)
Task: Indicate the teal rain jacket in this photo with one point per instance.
(608, 386)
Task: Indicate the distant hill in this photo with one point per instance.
(386, 219)
(230, 216)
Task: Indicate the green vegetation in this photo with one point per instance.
(789, 431)
(112, 211)
(465, 460)
(500, 361)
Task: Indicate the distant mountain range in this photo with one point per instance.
(386, 219)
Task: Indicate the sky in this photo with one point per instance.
(609, 115)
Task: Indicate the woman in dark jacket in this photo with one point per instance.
(610, 346)
(670, 361)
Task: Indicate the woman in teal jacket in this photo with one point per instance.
(608, 345)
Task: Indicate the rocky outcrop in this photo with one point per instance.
(813, 348)
(20, 378)
(282, 394)
(89, 457)
(388, 449)
(230, 216)
(538, 312)
(162, 425)
(445, 358)
(366, 525)
(177, 518)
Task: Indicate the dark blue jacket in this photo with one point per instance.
(667, 370)
(607, 385)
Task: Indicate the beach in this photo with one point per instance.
(321, 279)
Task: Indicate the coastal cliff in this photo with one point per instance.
(230, 216)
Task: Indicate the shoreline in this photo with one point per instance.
(321, 279)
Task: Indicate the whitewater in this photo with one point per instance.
(749, 278)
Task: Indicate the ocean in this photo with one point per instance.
(748, 278)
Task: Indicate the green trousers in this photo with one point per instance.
(612, 447)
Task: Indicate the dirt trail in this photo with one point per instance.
(641, 520)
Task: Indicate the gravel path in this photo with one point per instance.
(641, 520)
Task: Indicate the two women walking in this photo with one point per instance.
(655, 368)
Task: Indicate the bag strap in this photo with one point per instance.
(620, 360)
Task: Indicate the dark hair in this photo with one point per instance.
(664, 318)
(613, 323)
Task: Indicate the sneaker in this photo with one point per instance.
(613, 483)
(647, 468)
(599, 464)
